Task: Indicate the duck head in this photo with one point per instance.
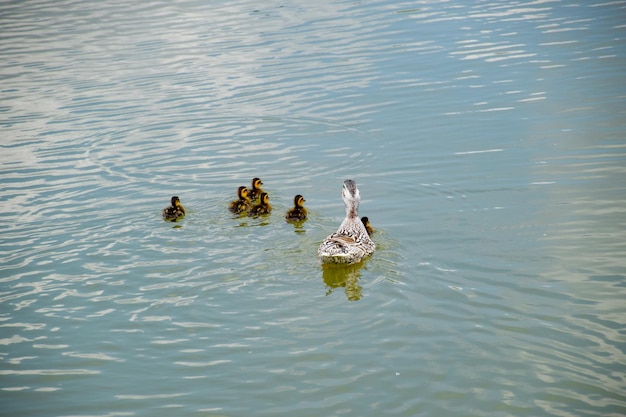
(256, 183)
(298, 201)
(242, 192)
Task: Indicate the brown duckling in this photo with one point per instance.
(255, 191)
(298, 212)
(368, 226)
(174, 212)
(242, 204)
(263, 207)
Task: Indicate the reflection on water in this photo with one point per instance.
(298, 226)
(344, 276)
(487, 139)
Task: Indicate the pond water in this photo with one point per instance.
(488, 142)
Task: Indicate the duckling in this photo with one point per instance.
(298, 212)
(242, 204)
(350, 243)
(263, 207)
(368, 226)
(175, 211)
(255, 191)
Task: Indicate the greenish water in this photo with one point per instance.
(487, 140)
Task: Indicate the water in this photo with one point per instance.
(487, 139)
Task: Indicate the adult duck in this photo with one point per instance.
(350, 243)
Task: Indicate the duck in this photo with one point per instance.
(242, 204)
(175, 211)
(298, 212)
(368, 226)
(263, 207)
(351, 242)
(255, 191)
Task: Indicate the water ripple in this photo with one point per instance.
(498, 280)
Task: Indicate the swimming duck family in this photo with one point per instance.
(175, 211)
(298, 212)
(351, 242)
(242, 204)
(348, 245)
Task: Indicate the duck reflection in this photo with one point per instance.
(346, 276)
(298, 227)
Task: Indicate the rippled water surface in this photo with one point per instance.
(488, 142)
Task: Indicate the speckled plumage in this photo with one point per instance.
(242, 204)
(263, 207)
(298, 212)
(351, 242)
(174, 212)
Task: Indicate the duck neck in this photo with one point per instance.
(352, 210)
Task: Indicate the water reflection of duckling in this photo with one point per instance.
(350, 243)
(368, 226)
(175, 211)
(255, 191)
(242, 204)
(263, 207)
(298, 212)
